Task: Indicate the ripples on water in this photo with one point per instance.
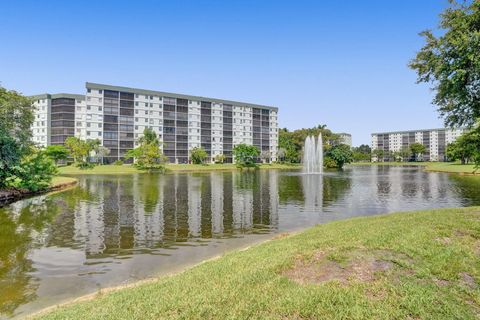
(111, 229)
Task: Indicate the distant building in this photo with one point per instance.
(346, 138)
(435, 140)
(117, 116)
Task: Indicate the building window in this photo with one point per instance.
(89, 90)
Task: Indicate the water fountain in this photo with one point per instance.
(313, 155)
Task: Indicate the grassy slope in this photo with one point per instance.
(128, 169)
(393, 163)
(56, 181)
(452, 167)
(440, 246)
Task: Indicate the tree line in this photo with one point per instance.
(291, 143)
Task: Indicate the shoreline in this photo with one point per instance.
(59, 183)
(170, 168)
(359, 237)
(441, 167)
(156, 279)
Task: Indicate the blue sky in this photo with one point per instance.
(340, 63)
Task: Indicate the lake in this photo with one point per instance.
(113, 230)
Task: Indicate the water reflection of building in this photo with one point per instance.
(153, 211)
(217, 185)
(194, 206)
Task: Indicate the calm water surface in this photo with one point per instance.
(112, 230)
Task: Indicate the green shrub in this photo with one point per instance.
(198, 155)
(219, 158)
(34, 173)
(329, 163)
(57, 152)
(118, 163)
(85, 165)
(245, 155)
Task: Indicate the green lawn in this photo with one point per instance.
(57, 181)
(452, 167)
(393, 163)
(129, 169)
(418, 265)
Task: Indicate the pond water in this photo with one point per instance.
(112, 230)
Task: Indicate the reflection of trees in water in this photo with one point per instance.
(290, 189)
(467, 188)
(313, 191)
(17, 229)
(335, 187)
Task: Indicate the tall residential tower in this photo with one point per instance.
(435, 141)
(117, 116)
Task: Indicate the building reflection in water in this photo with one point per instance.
(106, 219)
(123, 215)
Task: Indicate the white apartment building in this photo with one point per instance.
(117, 116)
(55, 117)
(435, 140)
(346, 138)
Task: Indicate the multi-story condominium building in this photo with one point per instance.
(55, 117)
(435, 141)
(117, 116)
(346, 138)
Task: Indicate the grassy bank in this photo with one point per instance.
(393, 163)
(448, 167)
(129, 169)
(406, 266)
(61, 181)
(452, 167)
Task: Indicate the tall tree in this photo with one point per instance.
(465, 148)
(16, 117)
(362, 153)
(198, 155)
(378, 154)
(417, 149)
(245, 155)
(450, 61)
(56, 153)
(341, 154)
(10, 155)
(79, 149)
(148, 155)
(292, 141)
